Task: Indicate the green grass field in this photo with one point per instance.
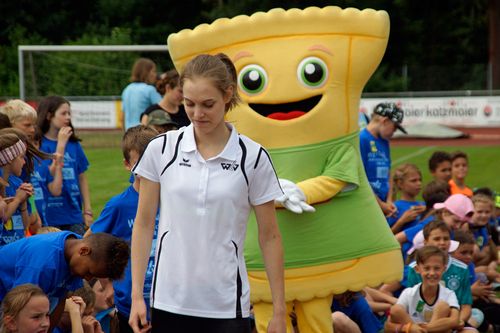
(108, 177)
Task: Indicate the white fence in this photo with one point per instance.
(475, 111)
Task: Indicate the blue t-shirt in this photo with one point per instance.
(136, 98)
(39, 260)
(403, 206)
(66, 208)
(117, 218)
(376, 158)
(360, 312)
(472, 273)
(481, 236)
(40, 179)
(13, 229)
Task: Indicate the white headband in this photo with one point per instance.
(10, 153)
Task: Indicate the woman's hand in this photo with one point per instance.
(277, 324)
(138, 320)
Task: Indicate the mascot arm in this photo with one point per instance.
(321, 188)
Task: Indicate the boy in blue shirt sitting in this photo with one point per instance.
(117, 218)
(58, 261)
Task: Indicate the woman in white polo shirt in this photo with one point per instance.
(206, 178)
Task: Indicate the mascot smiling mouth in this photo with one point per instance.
(286, 111)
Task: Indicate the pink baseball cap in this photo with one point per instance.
(418, 243)
(459, 204)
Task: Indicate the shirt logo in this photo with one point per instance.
(453, 283)
(229, 166)
(185, 162)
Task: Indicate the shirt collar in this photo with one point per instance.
(230, 151)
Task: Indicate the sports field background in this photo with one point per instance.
(108, 177)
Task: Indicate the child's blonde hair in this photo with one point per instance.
(402, 171)
(483, 198)
(47, 230)
(17, 110)
(16, 299)
(137, 138)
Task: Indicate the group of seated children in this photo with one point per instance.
(449, 246)
(452, 236)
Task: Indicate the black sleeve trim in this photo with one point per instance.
(156, 137)
(175, 153)
(243, 159)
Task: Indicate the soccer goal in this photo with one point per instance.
(91, 77)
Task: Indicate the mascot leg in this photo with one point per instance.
(263, 313)
(315, 316)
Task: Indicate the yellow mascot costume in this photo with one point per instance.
(300, 75)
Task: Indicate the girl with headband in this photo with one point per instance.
(16, 153)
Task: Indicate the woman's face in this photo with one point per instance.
(152, 75)
(61, 118)
(205, 104)
(175, 95)
(34, 317)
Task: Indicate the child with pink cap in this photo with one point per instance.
(454, 211)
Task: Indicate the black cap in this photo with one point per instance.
(393, 112)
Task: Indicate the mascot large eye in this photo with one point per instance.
(252, 79)
(312, 72)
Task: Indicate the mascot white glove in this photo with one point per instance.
(293, 198)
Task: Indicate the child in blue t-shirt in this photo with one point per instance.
(434, 192)
(355, 306)
(118, 216)
(47, 176)
(16, 154)
(484, 297)
(65, 211)
(375, 152)
(407, 180)
(58, 261)
(485, 252)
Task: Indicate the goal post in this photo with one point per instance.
(22, 49)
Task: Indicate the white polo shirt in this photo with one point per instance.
(204, 207)
(419, 310)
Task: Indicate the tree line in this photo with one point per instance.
(433, 45)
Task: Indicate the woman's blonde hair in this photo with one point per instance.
(16, 299)
(217, 68)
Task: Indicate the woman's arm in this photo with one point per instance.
(272, 250)
(142, 236)
(87, 207)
